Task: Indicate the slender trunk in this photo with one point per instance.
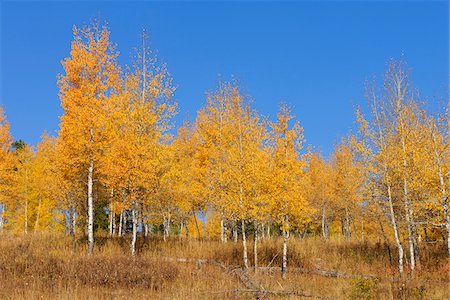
(225, 232)
(111, 222)
(347, 224)
(285, 240)
(145, 229)
(222, 231)
(425, 233)
(73, 224)
(447, 222)
(165, 229)
(409, 226)
(244, 243)
(408, 207)
(181, 228)
(396, 232)
(111, 214)
(324, 224)
(125, 221)
(263, 231)
(114, 225)
(90, 206)
(235, 232)
(120, 223)
(135, 221)
(268, 230)
(168, 226)
(255, 246)
(443, 191)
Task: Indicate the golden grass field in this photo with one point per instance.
(42, 266)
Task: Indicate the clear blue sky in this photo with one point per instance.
(312, 55)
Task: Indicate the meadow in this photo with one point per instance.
(44, 266)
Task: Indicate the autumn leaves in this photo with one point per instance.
(114, 162)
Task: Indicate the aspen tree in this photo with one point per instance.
(91, 79)
(379, 135)
(439, 146)
(399, 97)
(289, 201)
(138, 155)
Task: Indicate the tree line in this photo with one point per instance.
(115, 164)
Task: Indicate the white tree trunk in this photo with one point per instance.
(409, 226)
(90, 207)
(396, 232)
(443, 191)
(120, 223)
(146, 229)
(222, 231)
(135, 221)
(111, 215)
(235, 232)
(244, 243)
(285, 240)
(324, 224)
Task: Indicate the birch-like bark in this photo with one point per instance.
(125, 221)
(444, 196)
(90, 207)
(244, 243)
(164, 229)
(382, 146)
(111, 214)
(285, 240)
(395, 227)
(120, 223)
(145, 229)
(235, 232)
(324, 224)
(222, 231)
(408, 210)
(135, 221)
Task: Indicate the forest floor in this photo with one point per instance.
(41, 266)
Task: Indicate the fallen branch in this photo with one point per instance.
(325, 273)
(243, 276)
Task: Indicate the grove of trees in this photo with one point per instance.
(117, 167)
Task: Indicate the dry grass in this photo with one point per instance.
(44, 266)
